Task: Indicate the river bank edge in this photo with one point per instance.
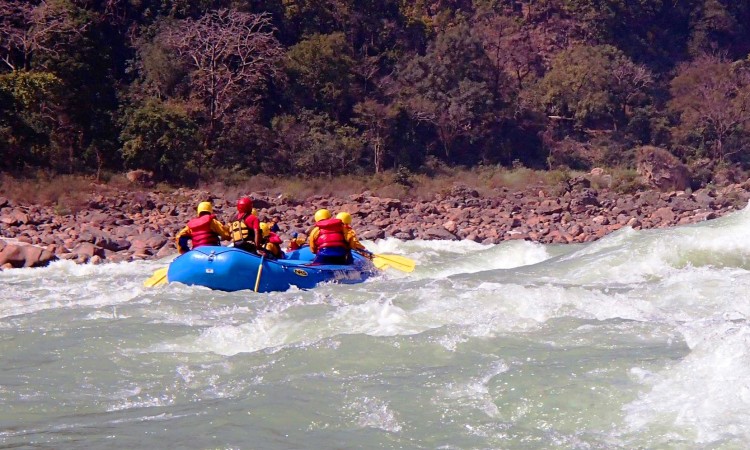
(131, 225)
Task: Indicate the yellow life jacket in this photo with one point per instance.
(240, 232)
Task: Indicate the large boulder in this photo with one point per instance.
(25, 256)
(14, 217)
(661, 169)
(141, 177)
(439, 233)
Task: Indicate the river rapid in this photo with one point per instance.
(638, 340)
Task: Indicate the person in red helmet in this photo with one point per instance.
(245, 228)
(202, 230)
(327, 240)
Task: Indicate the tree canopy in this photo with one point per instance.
(187, 89)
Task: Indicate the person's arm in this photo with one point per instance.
(253, 223)
(181, 240)
(219, 228)
(313, 237)
(354, 242)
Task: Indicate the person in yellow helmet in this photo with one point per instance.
(327, 240)
(350, 235)
(202, 230)
(271, 241)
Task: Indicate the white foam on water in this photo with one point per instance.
(479, 309)
(64, 284)
(439, 259)
(375, 318)
(393, 245)
(629, 256)
(371, 412)
(493, 308)
(474, 393)
(706, 395)
(264, 332)
(142, 401)
(274, 328)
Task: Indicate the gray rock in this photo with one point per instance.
(440, 233)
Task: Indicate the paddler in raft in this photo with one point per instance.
(327, 240)
(351, 236)
(296, 242)
(245, 228)
(202, 230)
(271, 241)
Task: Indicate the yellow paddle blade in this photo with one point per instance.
(380, 263)
(158, 278)
(397, 262)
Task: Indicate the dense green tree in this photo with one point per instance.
(162, 138)
(450, 89)
(516, 58)
(248, 145)
(315, 144)
(28, 105)
(321, 72)
(651, 31)
(711, 97)
(721, 26)
(594, 87)
(337, 86)
(231, 56)
(377, 120)
(68, 41)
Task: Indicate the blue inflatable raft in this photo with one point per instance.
(231, 269)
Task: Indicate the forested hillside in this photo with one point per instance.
(191, 88)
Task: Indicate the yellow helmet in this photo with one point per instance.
(344, 217)
(265, 228)
(322, 214)
(205, 207)
(254, 212)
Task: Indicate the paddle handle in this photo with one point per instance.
(260, 270)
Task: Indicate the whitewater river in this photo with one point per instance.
(639, 340)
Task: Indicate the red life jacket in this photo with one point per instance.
(274, 238)
(331, 233)
(201, 232)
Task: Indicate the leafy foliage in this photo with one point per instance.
(711, 97)
(191, 88)
(592, 86)
(161, 138)
(28, 101)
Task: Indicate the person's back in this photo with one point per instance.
(202, 230)
(245, 228)
(327, 240)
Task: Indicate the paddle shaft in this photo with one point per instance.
(260, 270)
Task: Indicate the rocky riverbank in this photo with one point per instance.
(141, 225)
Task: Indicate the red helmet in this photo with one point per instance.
(245, 205)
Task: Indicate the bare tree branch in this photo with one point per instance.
(25, 29)
(231, 55)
